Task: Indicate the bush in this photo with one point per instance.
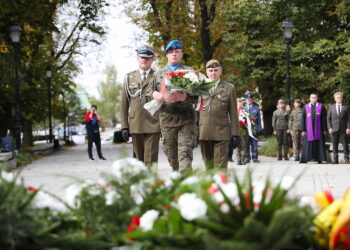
(270, 148)
(25, 158)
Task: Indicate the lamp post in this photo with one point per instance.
(288, 33)
(15, 33)
(49, 75)
(64, 115)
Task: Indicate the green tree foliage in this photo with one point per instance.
(109, 91)
(53, 32)
(246, 36)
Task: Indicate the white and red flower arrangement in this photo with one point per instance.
(247, 123)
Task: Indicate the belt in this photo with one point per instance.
(175, 110)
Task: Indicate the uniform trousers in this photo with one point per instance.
(146, 147)
(214, 153)
(296, 136)
(281, 136)
(178, 145)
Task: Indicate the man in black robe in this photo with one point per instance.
(314, 129)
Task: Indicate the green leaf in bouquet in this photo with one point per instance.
(242, 200)
(174, 221)
(215, 226)
(251, 230)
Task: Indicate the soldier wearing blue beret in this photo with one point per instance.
(177, 118)
(254, 110)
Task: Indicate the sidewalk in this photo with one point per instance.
(55, 171)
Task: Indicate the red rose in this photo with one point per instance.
(212, 189)
(180, 74)
(241, 124)
(171, 74)
(166, 207)
(30, 188)
(135, 223)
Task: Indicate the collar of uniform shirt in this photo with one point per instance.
(147, 72)
(173, 67)
(217, 84)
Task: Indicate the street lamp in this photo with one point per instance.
(288, 34)
(64, 115)
(49, 75)
(15, 34)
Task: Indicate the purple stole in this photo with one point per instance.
(311, 136)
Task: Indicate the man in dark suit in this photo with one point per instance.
(338, 121)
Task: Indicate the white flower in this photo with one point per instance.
(220, 179)
(225, 208)
(111, 197)
(127, 167)
(147, 219)
(137, 193)
(73, 191)
(192, 77)
(43, 200)
(173, 176)
(287, 182)
(191, 207)
(9, 177)
(230, 189)
(191, 180)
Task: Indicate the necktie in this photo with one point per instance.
(144, 75)
(339, 109)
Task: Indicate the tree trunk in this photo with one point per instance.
(267, 118)
(27, 133)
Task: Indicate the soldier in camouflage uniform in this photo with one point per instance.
(280, 119)
(177, 119)
(294, 127)
(144, 128)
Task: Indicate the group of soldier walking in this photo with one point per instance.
(178, 124)
(180, 127)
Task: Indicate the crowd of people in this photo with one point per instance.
(222, 124)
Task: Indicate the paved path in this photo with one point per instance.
(55, 171)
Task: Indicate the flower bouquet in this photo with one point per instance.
(247, 124)
(176, 85)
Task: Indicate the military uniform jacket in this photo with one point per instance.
(295, 119)
(174, 114)
(280, 119)
(219, 113)
(135, 94)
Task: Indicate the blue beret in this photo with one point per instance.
(248, 95)
(174, 44)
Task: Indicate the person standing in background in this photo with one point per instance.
(338, 120)
(93, 132)
(240, 150)
(294, 127)
(314, 130)
(280, 119)
(252, 144)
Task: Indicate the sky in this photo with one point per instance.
(118, 49)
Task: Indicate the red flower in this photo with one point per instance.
(180, 74)
(166, 207)
(33, 189)
(241, 124)
(212, 189)
(171, 74)
(135, 223)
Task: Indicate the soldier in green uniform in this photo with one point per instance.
(135, 120)
(177, 119)
(218, 115)
(240, 151)
(294, 127)
(280, 119)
